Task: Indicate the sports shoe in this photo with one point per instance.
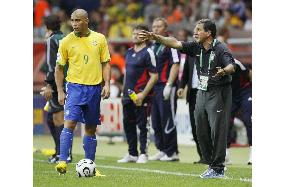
(61, 167)
(157, 156)
(174, 157)
(142, 159)
(228, 161)
(98, 173)
(69, 159)
(211, 173)
(205, 172)
(128, 158)
(53, 159)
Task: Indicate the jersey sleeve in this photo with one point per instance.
(174, 56)
(61, 54)
(227, 57)
(241, 68)
(151, 61)
(105, 55)
(51, 51)
(190, 48)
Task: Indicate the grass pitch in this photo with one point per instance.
(153, 173)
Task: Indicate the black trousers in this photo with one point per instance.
(212, 113)
(132, 116)
(191, 106)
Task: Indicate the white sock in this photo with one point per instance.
(227, 152)
(250, 154)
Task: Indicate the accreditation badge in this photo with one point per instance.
(203, 82)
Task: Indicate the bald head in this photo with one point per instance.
(79, 22)
(80, 13)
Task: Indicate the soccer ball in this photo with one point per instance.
(86, 168)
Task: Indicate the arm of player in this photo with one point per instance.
(51, 55)
(167, 41)
(172, 77)
(106, 76)
(150, 84)
(51, 51)
(59, 78)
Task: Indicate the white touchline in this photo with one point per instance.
(157, 171)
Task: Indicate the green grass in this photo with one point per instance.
(182, 173)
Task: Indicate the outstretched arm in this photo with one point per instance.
(167, 41)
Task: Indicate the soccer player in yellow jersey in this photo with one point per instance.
(88, 57)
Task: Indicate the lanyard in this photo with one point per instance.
(210, 57)
(159, 49)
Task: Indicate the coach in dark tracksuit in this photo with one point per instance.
(214, 97)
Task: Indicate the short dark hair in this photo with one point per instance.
(208, 25)
(219, 10)
(52, 22)
(141, 27)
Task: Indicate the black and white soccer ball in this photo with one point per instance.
(86, 168)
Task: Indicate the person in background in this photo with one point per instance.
(241, 100)
(165, 100)
(55, 113)
(140, 77)
(189, 79)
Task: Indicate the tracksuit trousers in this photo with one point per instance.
(212, 113)
(162, 116)
(136, 116)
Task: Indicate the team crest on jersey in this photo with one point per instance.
(134, 55)
(212, 56)
(94, 43)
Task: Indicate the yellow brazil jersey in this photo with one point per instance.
(84, 56)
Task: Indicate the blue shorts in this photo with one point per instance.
(82, 103)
